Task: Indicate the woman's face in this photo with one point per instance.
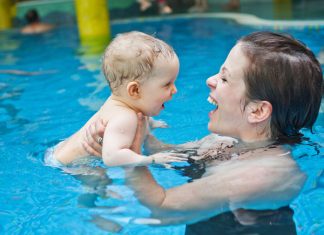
(227, 92)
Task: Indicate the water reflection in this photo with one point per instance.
(10, 119)
(89, 54)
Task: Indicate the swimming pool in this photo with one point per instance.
(38, 111)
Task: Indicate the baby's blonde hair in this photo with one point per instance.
(131, 56)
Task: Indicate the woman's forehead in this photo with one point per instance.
(236, 62)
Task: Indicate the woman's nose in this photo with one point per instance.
(212, 82)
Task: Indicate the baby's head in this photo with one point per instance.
(131, 57)
(136, 64)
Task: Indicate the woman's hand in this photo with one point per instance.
(137, 144)
(93, 135)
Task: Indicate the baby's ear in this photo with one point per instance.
(133, 89)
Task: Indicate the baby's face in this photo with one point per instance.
(159, 87)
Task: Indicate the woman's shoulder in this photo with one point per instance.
(276, 161)
(269, 169)
(268, 180)
(275, 156)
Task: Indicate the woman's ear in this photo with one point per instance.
(133, 89)
(259, 111)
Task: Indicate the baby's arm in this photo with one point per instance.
(118, 138)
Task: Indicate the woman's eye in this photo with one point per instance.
(223, 79)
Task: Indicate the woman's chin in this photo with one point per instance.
(216, 129)
(211, 127)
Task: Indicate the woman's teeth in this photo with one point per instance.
(210, 100)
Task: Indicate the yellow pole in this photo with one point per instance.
(93, 19)
(282, 9)
(5, 14)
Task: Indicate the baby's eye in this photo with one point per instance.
(168, 84)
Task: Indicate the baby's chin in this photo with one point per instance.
(151, 113)
(147, 114)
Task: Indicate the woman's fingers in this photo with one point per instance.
(93, 137)
(137, 143)
(90, 150)
(101, 126)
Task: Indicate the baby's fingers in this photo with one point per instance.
(159, 124)
(176, 159)
(179, 155)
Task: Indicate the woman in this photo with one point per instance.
(269, 87)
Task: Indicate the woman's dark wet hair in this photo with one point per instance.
(32, 16)
(284, 72)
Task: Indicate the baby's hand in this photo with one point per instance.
(157, 123)
(162, 158)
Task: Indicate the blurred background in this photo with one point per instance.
(63, 11)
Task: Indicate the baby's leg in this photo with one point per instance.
(93, 179)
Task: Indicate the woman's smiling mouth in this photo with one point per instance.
(213, 102)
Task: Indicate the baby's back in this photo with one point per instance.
(110, 112)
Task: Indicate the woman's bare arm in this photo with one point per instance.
(232, 186)
(262, 182)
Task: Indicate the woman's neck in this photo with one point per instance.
(253, 136)
(254, 144)
(248, 148)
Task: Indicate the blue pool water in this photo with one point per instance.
(38, 111)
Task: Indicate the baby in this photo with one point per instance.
(141, 71)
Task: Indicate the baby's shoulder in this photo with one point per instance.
(113, 109)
